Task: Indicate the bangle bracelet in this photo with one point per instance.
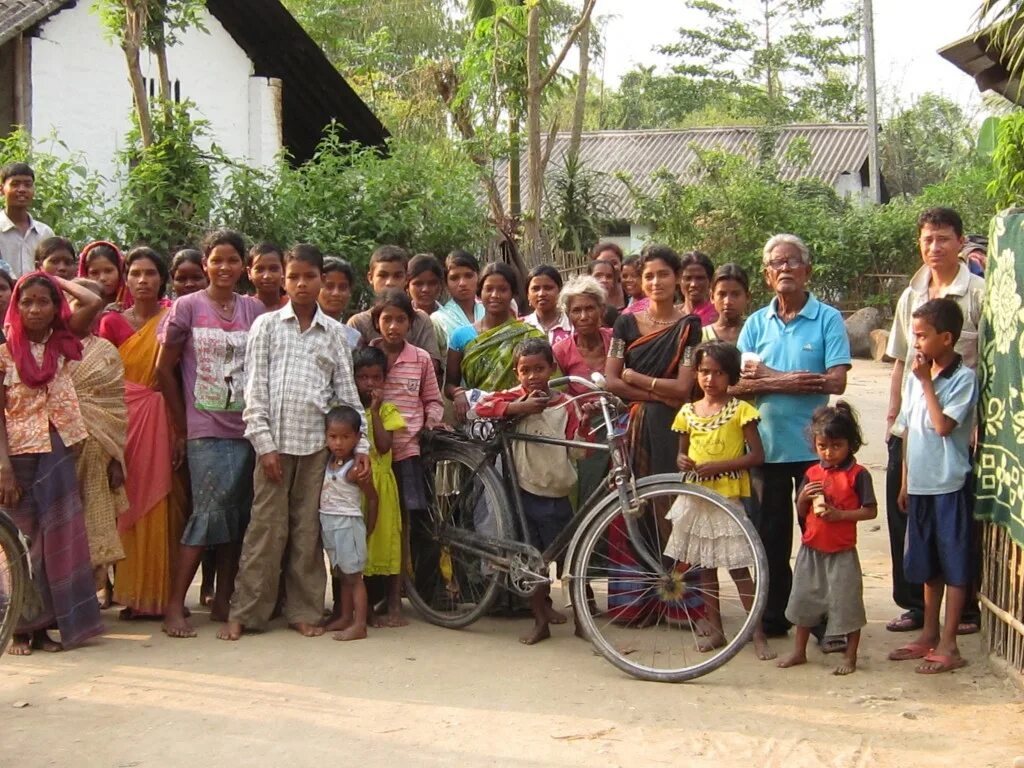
(625, 378)
(654, 381)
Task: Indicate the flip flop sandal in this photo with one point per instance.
(967, 628)
(910, 651)
(946, 664)
(903, 623)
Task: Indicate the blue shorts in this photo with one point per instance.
(344, 538)
(938, 543)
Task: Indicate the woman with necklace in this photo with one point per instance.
(205, 334)
(543, 285)
(650, 363)
(151, 526)
(480, 355)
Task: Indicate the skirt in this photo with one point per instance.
(705, 536)
(221, 471)
(63, 593)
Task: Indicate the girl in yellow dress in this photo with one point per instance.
(384, 546)
(719, 442)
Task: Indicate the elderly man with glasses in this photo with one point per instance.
(796, 354)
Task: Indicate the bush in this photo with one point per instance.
(69, 197)
(737, 206)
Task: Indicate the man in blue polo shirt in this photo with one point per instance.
(802, 356)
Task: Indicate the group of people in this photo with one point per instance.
(160, 419)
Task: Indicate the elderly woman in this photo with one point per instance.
(802, 356)
(582, 354)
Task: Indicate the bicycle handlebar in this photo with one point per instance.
(578, 380)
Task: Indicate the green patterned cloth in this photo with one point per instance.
(1000, 467)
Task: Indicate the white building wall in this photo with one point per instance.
(80, 89)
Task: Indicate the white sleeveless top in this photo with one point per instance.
(339, 496)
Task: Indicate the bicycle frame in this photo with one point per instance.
(622, 483)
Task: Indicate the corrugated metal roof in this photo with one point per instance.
(18, 15)
(835, 149)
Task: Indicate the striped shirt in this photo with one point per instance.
(293, 378)
(411, 385)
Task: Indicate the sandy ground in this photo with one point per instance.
(428, 696)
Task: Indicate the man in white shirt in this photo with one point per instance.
(19, 232)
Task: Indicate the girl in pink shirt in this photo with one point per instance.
(411, 385)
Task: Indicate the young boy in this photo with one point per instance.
(19, 232)
(297, 367)
(389, 270)
(938, 416)
(341, 520)
(546, 475)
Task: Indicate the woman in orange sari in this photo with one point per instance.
(153, 523)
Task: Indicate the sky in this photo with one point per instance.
(907, 35)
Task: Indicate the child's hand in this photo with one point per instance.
(376, 398)
(461, 405)
(831, 514)
(921, 367)
(361, 470)
(535, 402)
(685, 463)
(707, 470)
(810, 491)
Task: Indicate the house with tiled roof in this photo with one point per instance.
(833, 153)
(252, 72)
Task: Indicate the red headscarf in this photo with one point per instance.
(61, 342)
(122, 295)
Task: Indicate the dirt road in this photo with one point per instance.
(423, 696)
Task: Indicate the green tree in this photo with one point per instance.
(789, 61)
(923, 143)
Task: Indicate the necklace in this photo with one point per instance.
(224, 306)
(656, 321)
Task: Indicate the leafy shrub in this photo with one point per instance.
(69, 197)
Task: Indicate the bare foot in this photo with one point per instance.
(218, 611)
(20, 646)
(540, 632)
(793, 660)
(176, 625)
(553, 616)
(41, 642)
(206, 597)
(396, 619)
(338, 624)
(846, 666)
(377, 621)
(306, 630)
(709, 642)
(355, 632)
(232, 630)
(762, 650)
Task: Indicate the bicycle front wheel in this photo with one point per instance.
(13, 579)
(453, 582)
(675, 592)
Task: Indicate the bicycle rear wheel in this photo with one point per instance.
(13, 579)
(452, 583)
(649, 613)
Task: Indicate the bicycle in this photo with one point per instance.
(14, 578)
(476, 525)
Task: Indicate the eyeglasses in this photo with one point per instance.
(777, 265)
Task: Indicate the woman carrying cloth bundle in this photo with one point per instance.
(39, 422)
(650, 363)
